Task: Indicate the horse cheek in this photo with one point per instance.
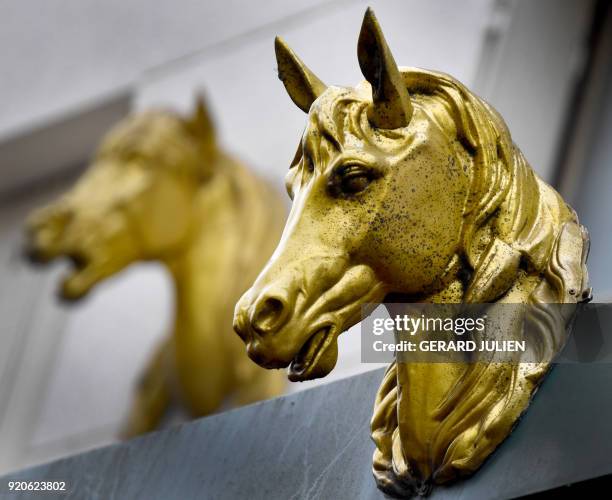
(165, 215)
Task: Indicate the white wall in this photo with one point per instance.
(529, 72)
(594, 197)
(58, 55)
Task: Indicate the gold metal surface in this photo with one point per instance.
(410, 184)
(160, 189)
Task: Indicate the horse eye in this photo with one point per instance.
(354, 179)
(355, 184)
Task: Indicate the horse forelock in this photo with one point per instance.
(340, 113)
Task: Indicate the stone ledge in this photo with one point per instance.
(315, 444)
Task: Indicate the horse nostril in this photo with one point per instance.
(269, 314)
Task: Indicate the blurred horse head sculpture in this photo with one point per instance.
(159, 188)
(134, 202)
(410, 184)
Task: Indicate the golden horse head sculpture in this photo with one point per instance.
(159, 188)
(410, 184)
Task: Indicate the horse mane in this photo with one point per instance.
(515, 226)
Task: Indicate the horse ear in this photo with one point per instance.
(200, 122)
(391, 107)
(302, 85)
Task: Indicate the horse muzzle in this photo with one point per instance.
(92, 249)
(44, 233)
(296, 322)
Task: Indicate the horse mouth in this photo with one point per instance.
(317, 357)
(78, 261)
(79, 278)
